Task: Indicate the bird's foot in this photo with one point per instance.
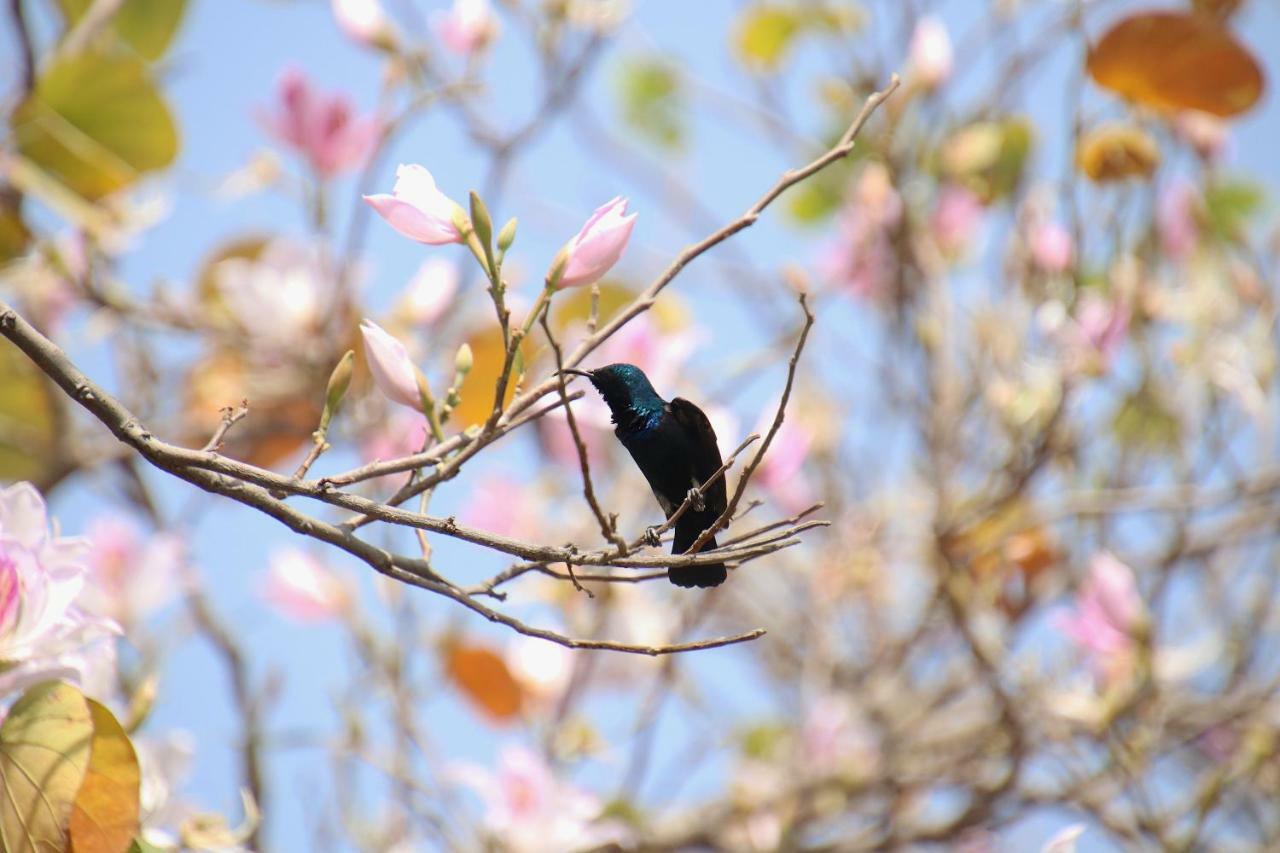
(652, 537)
(696, 501)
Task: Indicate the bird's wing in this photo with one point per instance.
(706, 452)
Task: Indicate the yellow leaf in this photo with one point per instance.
(105, 817)
(1114, 152)
(483, 678)
(30, 421)
(147, 26)
(95, 123)
(1177, 61)
(764, 35)
(44, 753)
(488, 355)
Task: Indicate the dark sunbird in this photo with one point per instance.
(675, 447)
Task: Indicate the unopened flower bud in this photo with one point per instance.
(507, 235)
(463, 361)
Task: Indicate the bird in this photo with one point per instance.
(674, 445)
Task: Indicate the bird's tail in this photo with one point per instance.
(689, 576)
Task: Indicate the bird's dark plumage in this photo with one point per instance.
(675, 447)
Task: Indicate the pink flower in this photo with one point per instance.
(504, 506)
(400, 434)
(430, 292)
(469, 26)
(1051, 247)
(1064, 840)
(599, 245)
(862, 257)
(956, 219)
(528, 809)
(781, 471)
(1103, 323)
(393, 371)
(1204, 132)
(417, 209)
(280, 299)
(131, 574)
(363, 20)
(1108, 609)
(43, 634)
(1176, 221)
(929, 56)
(303, 588)
(322, 128)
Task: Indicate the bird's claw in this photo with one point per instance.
(696, 501)
(652, 537)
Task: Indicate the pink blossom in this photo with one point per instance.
(303, 588)
(393, 371)
(834, 738)
(929, 55)
(781, 471)
(1108, 609)
(599, 245)
(862, 257)
(1103, 323)
(42, 633)
(956, 219)
(1205, 132)
(280, 299)
(400, 434)
(503, 505)
(131, 573)
(430, 291)
(528, 809)
(1051, 246)
(1176, 221)
(467, 27)
(322, 128)
(417, 209)
(364, 21)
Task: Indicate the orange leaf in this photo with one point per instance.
(1114, 152)
(482, 676)
(488, 355)
(105, 816)
(1177, 61)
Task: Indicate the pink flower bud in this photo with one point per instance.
(303, 588)
(389, 362)
(363, 20)
(1051, 247)
(417, 209)
(929, 56)
(599, 244)
(1107, 611)
(469, 26)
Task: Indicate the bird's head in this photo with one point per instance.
(624, 387)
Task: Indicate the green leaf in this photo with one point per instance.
(14, 234)
(1143, 422)
(815, 199)
(141, 845)
(105, 817)
(764, 35)
(30, 421)
(1230, 205)
(649, 89)
(147, 26)
(44, 753)
(96, 123)
(988, 156)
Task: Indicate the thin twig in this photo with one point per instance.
(608, 524)
(231, 415)
(778, 418)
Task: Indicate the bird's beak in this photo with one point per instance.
(577, 372)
